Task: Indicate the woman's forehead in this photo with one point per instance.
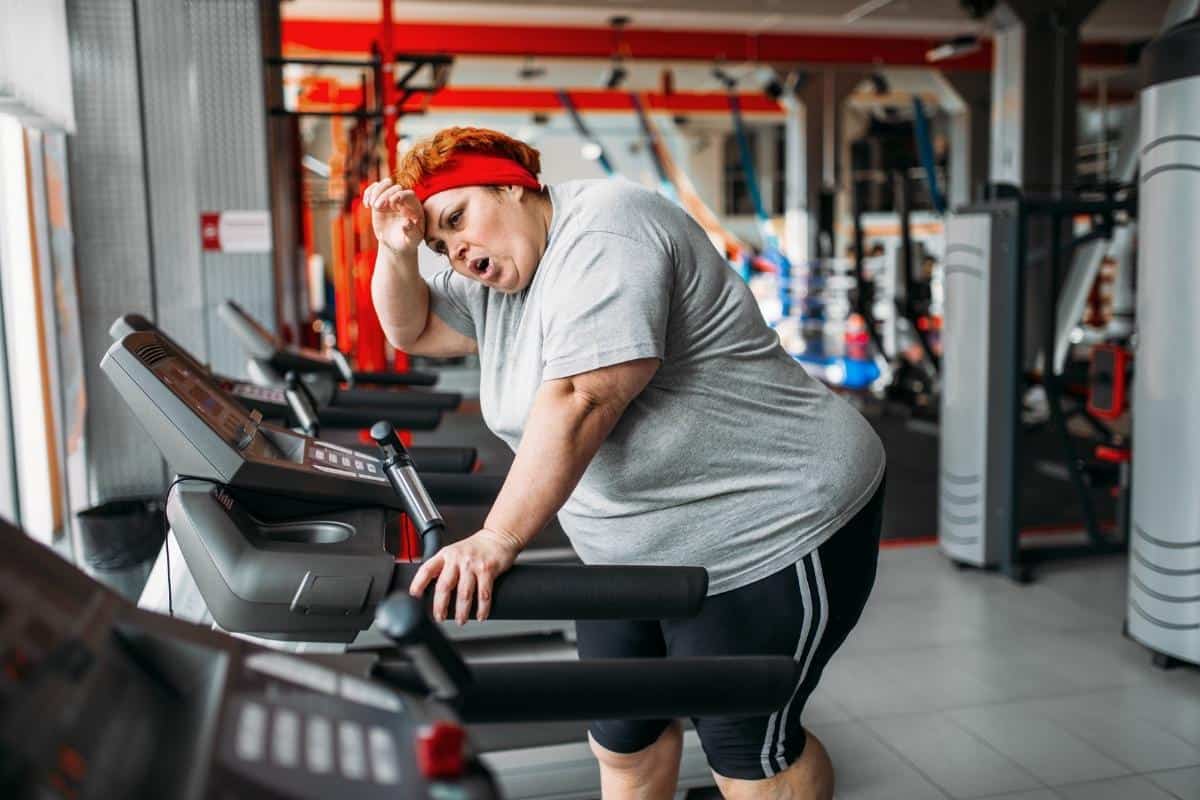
(436, 204)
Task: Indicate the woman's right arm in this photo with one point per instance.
(400, 294)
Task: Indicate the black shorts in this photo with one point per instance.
(805, 611)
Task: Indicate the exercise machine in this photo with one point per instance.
(294, 406)
(330, 379)
(278, 540)
(206, 435)
(983, 378)
(99, 699)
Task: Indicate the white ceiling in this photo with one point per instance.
(1116, 20)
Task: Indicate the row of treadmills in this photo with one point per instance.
(293, 545)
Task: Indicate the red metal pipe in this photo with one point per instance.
(308, 36)
(328, 95)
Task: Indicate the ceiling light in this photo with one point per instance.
(953, 48)
(529, 70)
(863, 10)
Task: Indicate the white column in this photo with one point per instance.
(796, 236)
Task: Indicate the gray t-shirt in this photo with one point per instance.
(733, 458)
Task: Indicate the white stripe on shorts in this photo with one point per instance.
(778, 719)
(773, 721)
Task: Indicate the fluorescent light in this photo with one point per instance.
(953, 48)
(869, 7)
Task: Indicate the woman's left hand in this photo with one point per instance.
(467, 569)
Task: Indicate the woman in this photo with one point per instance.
(651, 408)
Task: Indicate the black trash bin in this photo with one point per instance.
(120, 540)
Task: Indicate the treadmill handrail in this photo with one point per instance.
(610, 688)
(570, 591)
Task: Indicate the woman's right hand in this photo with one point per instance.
(396, 216)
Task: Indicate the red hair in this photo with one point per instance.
(431, 155)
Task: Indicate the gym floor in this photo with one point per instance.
(961, 684)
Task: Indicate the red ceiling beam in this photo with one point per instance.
(309, 36)
(328, 95)
(596, 100)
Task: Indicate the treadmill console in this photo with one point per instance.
(101, 700)
(204, 432)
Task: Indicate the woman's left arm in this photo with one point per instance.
(569, 419)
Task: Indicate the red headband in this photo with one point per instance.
(475, 169)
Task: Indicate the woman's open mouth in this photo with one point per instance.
(481, 266)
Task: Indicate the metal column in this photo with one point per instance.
(1164, 565)
(970, 134)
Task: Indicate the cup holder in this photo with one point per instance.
(307, 532)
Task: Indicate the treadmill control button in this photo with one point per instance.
(358, 465)
(440, 750)
(319, 455)
(371, 468)
(251, 729)
(383, 756)
(319, 745)
(345, 461)
(285, 738)
(352, 754)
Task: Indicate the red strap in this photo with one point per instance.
(1114, 455)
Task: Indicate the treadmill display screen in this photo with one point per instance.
(221, 413)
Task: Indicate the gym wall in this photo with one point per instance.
(171, 116)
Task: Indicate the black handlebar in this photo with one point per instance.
(409, 419)
(402, 619)
(568, 591)
(390, 398)
(611, 688)
(410, 378)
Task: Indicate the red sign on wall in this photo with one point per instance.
(235, 231)
(210, 236)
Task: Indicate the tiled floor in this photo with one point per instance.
(961, 684)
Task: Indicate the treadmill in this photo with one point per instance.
(330, 379)
(205, 434)
(275, 538)
(295, 406)
(99, 699)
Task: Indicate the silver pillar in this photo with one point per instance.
(969, 133)
(1035, 93)
(1164, 566)
(1035, 87)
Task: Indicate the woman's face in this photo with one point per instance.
(492, 235)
